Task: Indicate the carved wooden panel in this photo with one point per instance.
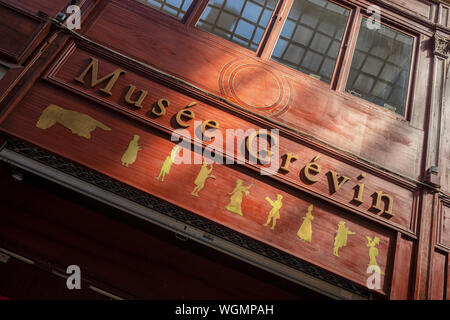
(444, 18)
(438, 280)
(104, 152)
(445, 138)
(75, 60)
(21, 33)
(444, 225)
(288, 97)
(403, 269)
(422, 7)
(447, 295)
(239, 91)
(50, 7)
(447, 175)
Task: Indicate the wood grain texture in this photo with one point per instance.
(444, 225)
(424, 245)
(403, 269)
(351, 135)
(130, 259)
(422, 7)
(438, 281)
(21, 34)
(444, 17)
(50, 7)
(444, 155)
(74, 61)
(447, 294)
(202, 59)
(99, 153)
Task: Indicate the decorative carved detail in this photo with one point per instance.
(239, 78)
(441, 45)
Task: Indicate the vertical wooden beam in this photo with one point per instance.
(344, 61)
(273, 30)
(424, 247)
(441, 49)
(437, 276)
(431, 174)
(447, 284)
(194, 13)
(402, 271)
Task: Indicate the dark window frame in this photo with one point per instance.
(388, 22)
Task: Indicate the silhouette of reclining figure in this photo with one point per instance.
(78, 123)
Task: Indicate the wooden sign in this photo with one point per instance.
(237, 198)
(323, 207)
(340, 179)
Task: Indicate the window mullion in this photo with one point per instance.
(194, 13)
(274, 28)
(348, 46)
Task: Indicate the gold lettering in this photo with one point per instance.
(337, 182)
(209, 124)
(359, 190)
(311, 170)
(287, 161)
(162, 104)
(377, 203)
(93, 67)
(186, 113)
(137, 103)
(256, 155)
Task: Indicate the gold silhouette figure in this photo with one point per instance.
(202, 176)
(237, 196)
(78, 123)
(340, 239)
(305, 231)
(274, 213)
(130, 156)
(373, 251)
(167, 164)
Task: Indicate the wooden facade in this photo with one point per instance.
(71, 102)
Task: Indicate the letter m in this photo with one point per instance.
(95, 81)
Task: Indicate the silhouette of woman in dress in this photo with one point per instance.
(130, 155)
(236, 197)
(305, 231)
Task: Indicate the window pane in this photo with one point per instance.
(311, 37)
(240, 21)
(175, 8)
(380, 67)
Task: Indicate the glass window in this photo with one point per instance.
(240, 21)
(175, 8)
(311, 37)
(381, 65)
